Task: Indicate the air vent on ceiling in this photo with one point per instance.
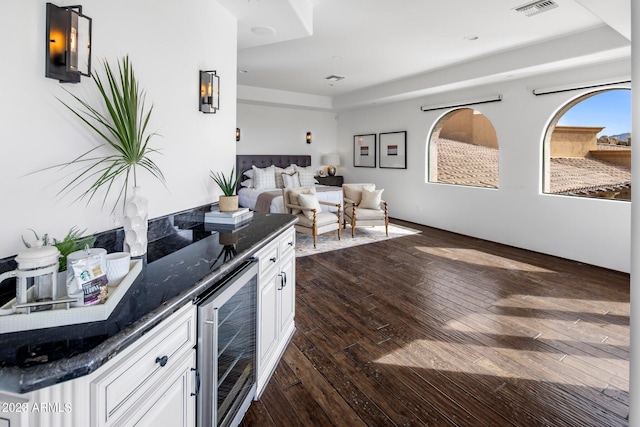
(334, 78)
(536, 7)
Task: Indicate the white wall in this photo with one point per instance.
(168, 44)
(281, 130)
(589, 230)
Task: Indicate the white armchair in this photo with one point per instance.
(302, 202)
(364, 207)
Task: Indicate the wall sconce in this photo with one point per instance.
(68, 44)
(308, 138)
(237, 134)
(209, 92)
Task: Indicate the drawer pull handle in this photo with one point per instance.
(272, 259)
(162, 360)
(290, 243)
(197, 391)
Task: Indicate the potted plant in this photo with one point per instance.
(123, 128)
(228, 202)
(120, 121)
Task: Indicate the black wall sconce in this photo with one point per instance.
(209, 92)
(68, 44)
(237, 134)
(308, 138)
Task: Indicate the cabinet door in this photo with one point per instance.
(171, 402)
(267, 326)
(286, 297)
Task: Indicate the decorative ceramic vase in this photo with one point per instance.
(136, 224)
(228, 203)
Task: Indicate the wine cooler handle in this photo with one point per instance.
(162, 360)
(197, 392)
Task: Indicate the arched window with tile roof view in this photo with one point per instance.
(463, 150)
(587, 147)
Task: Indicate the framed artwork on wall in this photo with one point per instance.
(364, 151)
(393, 150)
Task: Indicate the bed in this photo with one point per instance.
(270, 199)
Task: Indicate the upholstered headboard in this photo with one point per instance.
(245, 161)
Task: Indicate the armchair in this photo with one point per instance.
(302, 202)
(363, 206)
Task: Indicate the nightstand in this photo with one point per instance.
(335, 181)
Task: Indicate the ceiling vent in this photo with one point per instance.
(536, 7)
(334, 78)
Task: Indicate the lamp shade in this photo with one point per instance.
(330, 159)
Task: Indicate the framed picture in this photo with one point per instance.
(393, 150)
(364, 151)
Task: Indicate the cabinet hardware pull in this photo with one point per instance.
(281, 281)
(197, 391)
(290, 243)
(162, 360)
(272, 259)
(284, 275)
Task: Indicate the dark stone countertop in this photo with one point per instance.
(186, 261)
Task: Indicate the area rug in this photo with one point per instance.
(364, 235)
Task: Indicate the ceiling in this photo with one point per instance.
(386, 48)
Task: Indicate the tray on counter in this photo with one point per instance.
(61, 314)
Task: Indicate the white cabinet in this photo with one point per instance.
(155, 376)
(276, 303)
(138, 387)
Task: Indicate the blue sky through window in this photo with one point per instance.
(611, 109)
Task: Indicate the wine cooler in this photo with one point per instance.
(226, 348)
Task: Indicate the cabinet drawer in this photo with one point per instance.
(268, 258)
(287, 242)
(121, 385)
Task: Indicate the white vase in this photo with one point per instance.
(136, 224)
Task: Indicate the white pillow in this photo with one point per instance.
(309, 201)
(290, 180)
(306, 176)
(248, 173)
(248, 183)
(293, 197)
(264, 179)
(370, 199)
(279, 171)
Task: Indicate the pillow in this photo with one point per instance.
(354, 192)
(370, 199)
(290, 180)
(279, 171)
(248, 183)
(248, 173)
(306, 176)
(264, 179)
(309, 201)
(293, 197)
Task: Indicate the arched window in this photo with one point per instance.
(587, 147)
(463, 150)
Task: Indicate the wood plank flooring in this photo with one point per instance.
(441, 329)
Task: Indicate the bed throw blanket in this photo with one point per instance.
(263, 202)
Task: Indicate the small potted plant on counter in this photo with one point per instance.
(228, 202)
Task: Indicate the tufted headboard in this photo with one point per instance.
(245, 161)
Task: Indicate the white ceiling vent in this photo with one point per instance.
(536, 7)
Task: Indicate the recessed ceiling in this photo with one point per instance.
(379, 42)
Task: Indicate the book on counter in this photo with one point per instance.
(236, 217)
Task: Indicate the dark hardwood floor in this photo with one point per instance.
(441, 329)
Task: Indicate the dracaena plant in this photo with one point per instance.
(120, 121)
